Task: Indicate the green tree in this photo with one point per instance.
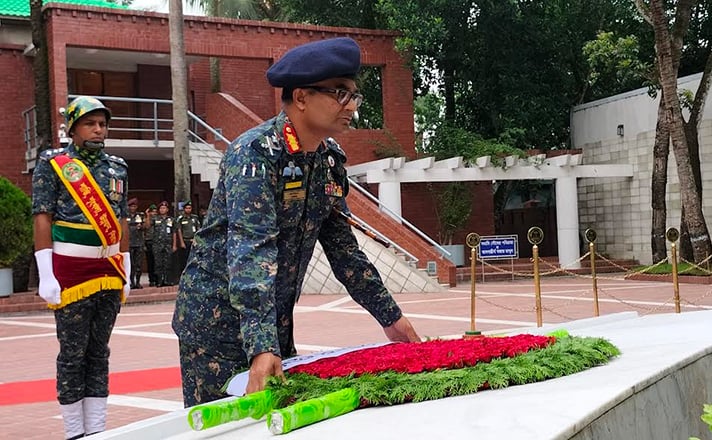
(15, 223)
(615, 65)
(667, 48)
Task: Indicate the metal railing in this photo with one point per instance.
(198, 121)
(152, 121)
(407, 254)
(149, 122)
(398, 217)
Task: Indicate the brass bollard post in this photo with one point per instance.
(672, 234)
(675, 281)
(537, 286)
(472, 240)
(535, 235)
(592, 249)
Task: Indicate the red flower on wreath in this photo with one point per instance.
(417, 357)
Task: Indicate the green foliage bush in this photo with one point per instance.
(706, 417)
(15, 223)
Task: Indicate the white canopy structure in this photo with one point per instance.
(389, 173)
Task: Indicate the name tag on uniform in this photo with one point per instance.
(294, 194)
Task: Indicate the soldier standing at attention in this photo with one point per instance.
(136, 240)
(78, 197)
(187, 225)
(282, 187)
(164, 243)
(148, 241)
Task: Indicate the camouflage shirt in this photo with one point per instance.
(135, 221)
(162, 230)
(249, 259)
(188, 225)
(49, 195)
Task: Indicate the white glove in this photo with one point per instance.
(49, 288)
(127, 269)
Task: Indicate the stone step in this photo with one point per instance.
(23, 302)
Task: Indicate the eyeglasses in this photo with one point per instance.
(343, 96)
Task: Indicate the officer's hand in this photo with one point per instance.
(401, 331)
(263, 366)
(49, 288)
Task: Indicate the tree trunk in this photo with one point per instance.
(691, 131)
(693, 146)
(661, 152)
(215, 86)
(40, 69)
(695, 221)
(181, 154)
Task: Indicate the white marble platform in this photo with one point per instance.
(654, 390)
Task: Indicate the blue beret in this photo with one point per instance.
(316, 61)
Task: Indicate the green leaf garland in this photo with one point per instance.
(567, 356)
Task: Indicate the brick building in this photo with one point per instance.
(122, 56)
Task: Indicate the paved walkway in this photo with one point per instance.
(145, 380)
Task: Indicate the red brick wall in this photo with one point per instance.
(17, 95)
(199, 85)
(230, 115)
(245, 79)
(252, 46)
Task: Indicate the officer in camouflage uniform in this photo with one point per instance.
(148, 241)
(187, 224)
(164, 243)
(282, 187)
(78, 264)
(136, 243)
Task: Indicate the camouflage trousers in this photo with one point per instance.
(162, 258)
(83, 332)
(136, 262)
(183, 255)
(206, 368)
(150, 262)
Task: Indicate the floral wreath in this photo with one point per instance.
(406, 372)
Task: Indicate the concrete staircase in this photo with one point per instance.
(205, 161)
(398, 274)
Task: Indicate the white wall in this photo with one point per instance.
(620, 209)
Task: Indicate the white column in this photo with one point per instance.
(389, 195)
(567, 222)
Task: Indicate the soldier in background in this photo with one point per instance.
(148, 237)
(164, 243)
(187, 224)
(136, 242)
(202, 213)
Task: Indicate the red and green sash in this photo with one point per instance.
(89, 197)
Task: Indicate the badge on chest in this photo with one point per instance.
(294, 191)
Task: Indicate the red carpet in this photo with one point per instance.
(125, 382)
